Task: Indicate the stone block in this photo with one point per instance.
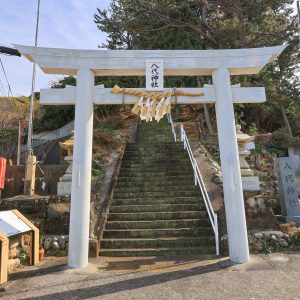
(250, 183)
(93, 248)
(64, 188)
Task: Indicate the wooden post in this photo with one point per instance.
(4, 248)
(29, 181)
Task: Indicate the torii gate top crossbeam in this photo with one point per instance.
(132, 62)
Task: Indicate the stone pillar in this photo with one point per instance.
(232, 184)
(81, 173)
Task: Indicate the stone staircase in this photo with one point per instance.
(156, 209)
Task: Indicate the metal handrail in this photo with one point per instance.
(198, 180)
(172, 126)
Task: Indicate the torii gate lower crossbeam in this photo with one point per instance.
(219, 64)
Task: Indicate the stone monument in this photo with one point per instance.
(288, 190)
(249, 181)
(65, 182)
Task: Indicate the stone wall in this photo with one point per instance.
(47, 177)
(50, 214)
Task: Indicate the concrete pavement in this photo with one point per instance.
(274, 276)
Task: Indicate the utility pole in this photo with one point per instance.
(298, 13)
(19, 142)
(29, 182)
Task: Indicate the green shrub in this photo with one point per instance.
(96, 171)
(266, 248)
(274, 149)
(253, 129)
(281, 137)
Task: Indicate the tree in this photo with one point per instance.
(202, 24)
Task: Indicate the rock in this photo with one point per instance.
(47, 244)
(282, 242)
(274, 244)
(286, 236)
(258, 245)
(55, 245)
(13, 253)
(62, 242)
(13, 264)
(274, 238)
(14, 245)
(26, 249)
(279, 234)
(19, 250)
(258, 235)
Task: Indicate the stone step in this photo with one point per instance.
(155, 153)
(158, 201)
(154, 208)
(134, 189)
(153, 174)
(207, 252)
(151, 224)
(157, 168)
(165, 194)
(158, 233)
(157, 215)
(154, 179)
(155, 148)
(150, 183)
(155, 160)
(180, 242)
(154, 144)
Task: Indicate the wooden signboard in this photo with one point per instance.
(12, 222)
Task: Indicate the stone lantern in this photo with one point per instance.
(249, 181)
(65, 182)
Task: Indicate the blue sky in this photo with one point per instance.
(63, 24)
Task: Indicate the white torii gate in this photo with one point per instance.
(219, 64)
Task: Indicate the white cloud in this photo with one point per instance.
(63, 24)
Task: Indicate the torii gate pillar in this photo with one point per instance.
(232, 183)
(81, 173)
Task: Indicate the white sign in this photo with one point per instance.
(250, 183)
(154, 75)
(250, 146)
(11, 224)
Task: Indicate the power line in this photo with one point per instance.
(3, 89)
(9, 88)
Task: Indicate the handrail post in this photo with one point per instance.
(216, 230)
(195, 175)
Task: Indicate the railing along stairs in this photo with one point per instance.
(198, 180)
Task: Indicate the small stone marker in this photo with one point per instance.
(250, 183)
(288, 190)
(64, 188)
